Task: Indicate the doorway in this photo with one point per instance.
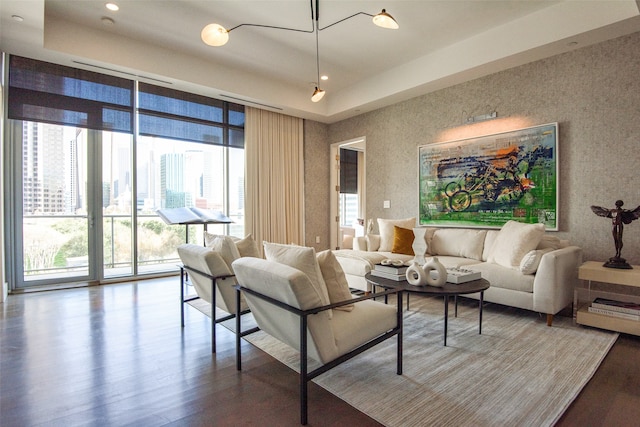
(348, 201)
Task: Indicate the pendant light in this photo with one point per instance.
(217, 35)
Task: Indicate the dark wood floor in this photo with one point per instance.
(115, 355)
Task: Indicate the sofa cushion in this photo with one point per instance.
(334, 279)
(504, 278)
(530, 262)
(460, 242)
(302, 258)
(514, 240)
(402, 241)
(428, 236)
(373, 242)
(455, 261)
(386, 231)
(358, 263)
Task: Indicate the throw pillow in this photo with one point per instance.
(531, 261)
(334, 279)
(552, 242)
(303, 259)
(488, 243)
(227, 248)
(385, 227)
(402, 241)
(209, 238)
(373, 242)
(514, 240)
(248, 247)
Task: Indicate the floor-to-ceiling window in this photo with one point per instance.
(85, 183)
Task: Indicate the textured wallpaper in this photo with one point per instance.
(594, 95)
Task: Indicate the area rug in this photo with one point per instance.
(518, 372)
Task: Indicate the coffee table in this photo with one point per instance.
(449, 289)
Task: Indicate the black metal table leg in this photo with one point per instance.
(446, 317)
(480, 310)
(455, 299)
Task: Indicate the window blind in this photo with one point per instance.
(348, 171)
(45, 92)
(173, 114)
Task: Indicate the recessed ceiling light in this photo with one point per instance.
(324, 78)
(572, 43)
(112, 7)
(107, 21)
(17, 18)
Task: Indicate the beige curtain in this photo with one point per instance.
(274, 177)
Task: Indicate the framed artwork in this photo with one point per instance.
(486, 181)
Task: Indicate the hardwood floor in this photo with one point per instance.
(115, 355)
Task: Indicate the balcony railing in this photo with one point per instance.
(57, 245)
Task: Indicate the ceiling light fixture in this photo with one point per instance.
(384, 20)
(217, 35)
(112, 7)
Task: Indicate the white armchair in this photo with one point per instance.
(286, 305)
(212, 281)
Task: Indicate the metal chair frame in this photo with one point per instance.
(186, 299)
(305, 375)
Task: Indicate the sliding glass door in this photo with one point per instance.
(73, 204)
(90, 158)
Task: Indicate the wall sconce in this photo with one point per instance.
(481, 117)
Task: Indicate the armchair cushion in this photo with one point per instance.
(292, 287)
(301, 258)
(212, 263)
(248, 247)
(225, 245)
(368, 320)
(334, 279)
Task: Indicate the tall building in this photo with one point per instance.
(43, 153)
(172, 188)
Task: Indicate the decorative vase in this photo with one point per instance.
(419, 245)
(441, 273)
(416, 276)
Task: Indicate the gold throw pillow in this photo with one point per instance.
(402, 240)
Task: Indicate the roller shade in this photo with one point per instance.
(50, 93)
(173, 114)
(348, 171)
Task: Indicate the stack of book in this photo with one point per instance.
(390, 272)
(621, 309)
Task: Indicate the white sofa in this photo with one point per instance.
(535, 271)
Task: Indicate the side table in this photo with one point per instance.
(594, 271)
